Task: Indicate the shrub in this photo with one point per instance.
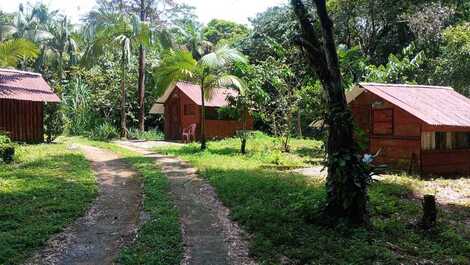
(152, 135)
(7, 149)
(53, 121)
(4, 139)
(104, 132)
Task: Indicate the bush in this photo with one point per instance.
(4, 139)
(104, 132)
(152, 135)
(7, 149)
(53, 121)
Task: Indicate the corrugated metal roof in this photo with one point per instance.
(218, 98)
(28, 86)
(435, 105)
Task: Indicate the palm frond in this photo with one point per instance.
(222, 57)
(12, 51)
(7, 31)
(174, 66)
(231, 81)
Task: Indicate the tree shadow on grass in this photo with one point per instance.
(315, 154)
(274, 207)
(39, 198)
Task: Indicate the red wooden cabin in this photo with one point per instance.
(22, 98)
(181, 106)
(424, 128)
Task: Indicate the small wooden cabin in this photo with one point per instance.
(422, 128)
(181, 107)
(22, 98)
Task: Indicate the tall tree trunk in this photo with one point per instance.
(299, 124)
(141, 81)
(123, 96)
(203, 118)
(244, 134)
(346, 182)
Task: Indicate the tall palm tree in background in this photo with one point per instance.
(209, 72)
(152, 10)
(62, 42)
(116, 29)
(195, 42)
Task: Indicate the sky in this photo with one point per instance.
(235, 10)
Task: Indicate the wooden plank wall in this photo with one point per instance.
(23, 120)
(401, 145)
(214, 128)
(446, 162)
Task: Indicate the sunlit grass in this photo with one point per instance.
(46, 188)
(282, 210)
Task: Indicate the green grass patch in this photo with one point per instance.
(282, 210)
(46, 188)
(159, 240)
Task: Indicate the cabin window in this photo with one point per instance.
(441, 140)
(189, 109)
(445, 140)
(461, 140)
(221, 114)
(382, 121)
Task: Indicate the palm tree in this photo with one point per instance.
(208, 72)
(61, 43)
(16, 50)
(124, 32)
(148, 9)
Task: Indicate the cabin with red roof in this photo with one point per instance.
(181, 107)
(22, 98)
(424, 129)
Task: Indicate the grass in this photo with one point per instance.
(159, 240)
(47, 188)
(281, 210)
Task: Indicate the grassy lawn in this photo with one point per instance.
(159, 240)
(281, 210)
(47, 188)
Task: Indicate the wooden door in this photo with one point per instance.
(175, 120)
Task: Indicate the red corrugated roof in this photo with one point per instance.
(218, 99)
(28, 86)
(436, 106)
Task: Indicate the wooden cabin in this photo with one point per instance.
(421, 128)
(181, 107)
(22, 99)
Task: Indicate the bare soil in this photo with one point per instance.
(108, 225)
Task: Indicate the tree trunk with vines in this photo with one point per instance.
(123, 95)
(346, 182)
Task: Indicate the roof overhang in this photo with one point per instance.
(166, 94)
(354, 93)
(157, 108)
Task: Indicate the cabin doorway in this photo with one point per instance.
(175, 119)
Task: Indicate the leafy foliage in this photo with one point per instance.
(405, 70)
(150, 135)
(53, 121)
(104, 132)
(453, 65)
(18, 50)
(219, 31)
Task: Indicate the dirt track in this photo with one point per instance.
(111, 221)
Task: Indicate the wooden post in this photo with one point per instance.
(429, 212)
